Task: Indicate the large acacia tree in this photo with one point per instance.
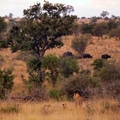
(42, 29)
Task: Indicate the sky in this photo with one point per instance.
(82, 8)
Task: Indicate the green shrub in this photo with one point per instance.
(6, 82)
(69, 66)
(110, 72)
(82, 83)
(109, 76)
(32, 80)
(55, 94)
(51, 66)
(97, 64)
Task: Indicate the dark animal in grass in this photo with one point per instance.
(105, 56)
(67, 54)
(87, 56)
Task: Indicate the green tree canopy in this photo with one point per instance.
(42, 29)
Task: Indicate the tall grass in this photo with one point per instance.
(90, 110)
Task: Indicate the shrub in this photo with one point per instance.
(32, 80)
(82, 83)
(97, 64)
(69, 65)
(50, 64)
(55, 94)
(109, 76)
(115, 33)
(6, 82)
(35, 90)
(110, 72)
(100, 29)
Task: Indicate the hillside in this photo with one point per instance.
(96, 48)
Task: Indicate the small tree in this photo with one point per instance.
(104, 14)
(112, 24)
(10, 15)
(94, 20)
(115, 33)
(100, 29)
(69, 66)
(86, 28)
(6, 82)
(50, 64)
(79, 44)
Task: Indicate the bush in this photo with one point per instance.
(110, 72)
(35, 90)
(100, 29)
(69, 65)
(97, 64)
(86, 28)
(82, 83)
(6, 82)
(55, 94)
(51, 66)
(109, 76)
(115, 33)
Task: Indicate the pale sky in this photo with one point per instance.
(83, 8)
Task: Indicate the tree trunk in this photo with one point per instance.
(40, 57)
(40, 75)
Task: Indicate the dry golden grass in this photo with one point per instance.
(90, 110)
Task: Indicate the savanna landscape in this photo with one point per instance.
(71, 87)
